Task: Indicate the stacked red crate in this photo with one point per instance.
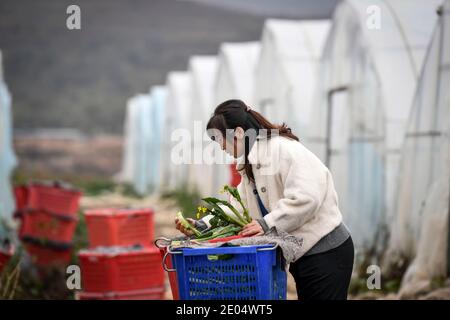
(45, 254)
(121, 262)
(48, 215)
(121, 269)
(119, 227)
(53, 198)
(40, 224)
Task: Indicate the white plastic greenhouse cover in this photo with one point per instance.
(236, 74)
(287, 70)
(420, 231)
(137, 145)
(8, 159)
(204, 72)
(366, 87)
(178, 116)
(158, 96)
(235, 80)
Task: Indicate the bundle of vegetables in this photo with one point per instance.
(222, 224)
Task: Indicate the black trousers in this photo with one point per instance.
(326, 275)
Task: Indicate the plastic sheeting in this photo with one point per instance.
(420, 228)
(138, 147)
(287, 70)
(201, 172)
(158, 96)
(235, 80)
(177, 121)
(7, 159)
(367, 82)
(236, 75)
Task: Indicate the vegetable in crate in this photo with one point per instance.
(187, 225)
(235, 193)
(222, 224)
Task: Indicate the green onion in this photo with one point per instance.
(187, 225)
(214, 203)
(235, 193)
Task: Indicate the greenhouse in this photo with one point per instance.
(287, 70)
(177, 117)
(158, 96)
(137, 145)
(360, 114)
(235, 80)
(204, 71)
(8, 158)
(236, 71)
(420, 228)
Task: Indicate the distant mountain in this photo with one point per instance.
(82, 78)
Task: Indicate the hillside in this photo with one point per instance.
(82, 78)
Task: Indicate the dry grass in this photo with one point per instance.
(9, 281)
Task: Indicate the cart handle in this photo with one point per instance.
(165, 267)
(161, 239)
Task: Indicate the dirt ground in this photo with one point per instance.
(98, 156)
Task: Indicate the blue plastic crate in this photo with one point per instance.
(240, 273)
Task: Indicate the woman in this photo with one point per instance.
(285, 186)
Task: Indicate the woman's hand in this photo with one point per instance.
(252, 229)
(180, 227)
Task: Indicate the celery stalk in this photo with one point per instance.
(187, 225)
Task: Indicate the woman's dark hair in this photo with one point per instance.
(234, 113)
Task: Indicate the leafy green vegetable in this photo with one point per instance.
(222, 224)
(214, 202)
(217, 222)
(221, 232)
(235, 193)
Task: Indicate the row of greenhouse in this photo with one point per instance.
(263, 74)
(372, 102)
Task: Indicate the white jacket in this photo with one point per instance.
(295, 187)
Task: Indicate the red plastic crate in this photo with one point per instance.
(48, 226)
(119, 227)
(53, 199)
(46, 256)
(21, 197)
(172, 275)
(156, 293)
(122, 270)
